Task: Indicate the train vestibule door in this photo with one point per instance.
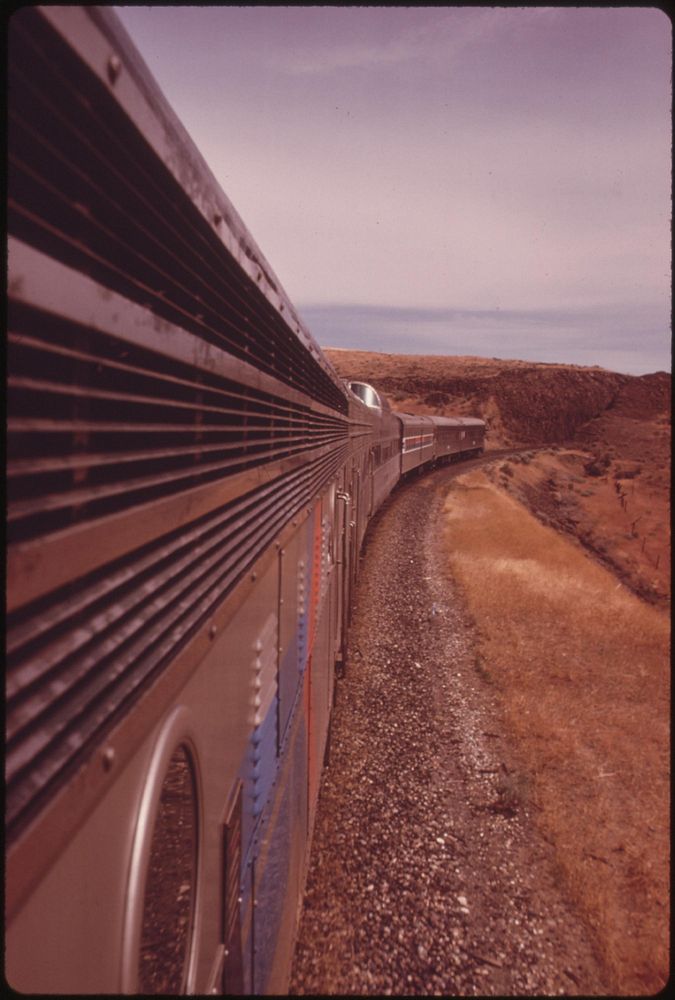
(343, 517)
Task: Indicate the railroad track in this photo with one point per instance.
(420, 882)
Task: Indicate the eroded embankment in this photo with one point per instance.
(428, 874)
(521, 402)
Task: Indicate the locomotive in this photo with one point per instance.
(189, 485)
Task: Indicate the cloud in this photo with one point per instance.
(511, 161)
(628, 338)
(426, 35)
(357, 55)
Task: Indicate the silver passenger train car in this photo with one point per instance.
(430, 440)
(189, 485)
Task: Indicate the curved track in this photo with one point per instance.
(427, 875)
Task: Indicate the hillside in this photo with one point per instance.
(593, 445)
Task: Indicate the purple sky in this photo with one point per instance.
(485, 180)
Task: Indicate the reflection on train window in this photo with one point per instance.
(171, 882)
(366, 394)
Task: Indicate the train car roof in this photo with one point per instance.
(413, 418)
(459, 421)
(425, 418)
(143, 101)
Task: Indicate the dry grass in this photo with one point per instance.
(582, 669)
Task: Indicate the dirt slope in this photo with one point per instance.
(521, 402)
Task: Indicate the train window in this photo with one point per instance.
(170, 884)
(233, 972)
(366, 394)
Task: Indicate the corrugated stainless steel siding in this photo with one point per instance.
(96, 425)
(78, 659)
(86, 188)
(99, 425)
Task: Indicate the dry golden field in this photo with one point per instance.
(581, 667)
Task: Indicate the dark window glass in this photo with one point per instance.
(171, 882)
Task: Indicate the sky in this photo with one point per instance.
(490, 181)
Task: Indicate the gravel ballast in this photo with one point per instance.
(427, 872)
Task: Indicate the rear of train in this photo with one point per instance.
(427, 440)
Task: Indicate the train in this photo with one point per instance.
(189, 483)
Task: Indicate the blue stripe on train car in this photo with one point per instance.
(280, 856)
(270, 892)
(263, 758)
(271, 849)
(259, 771)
